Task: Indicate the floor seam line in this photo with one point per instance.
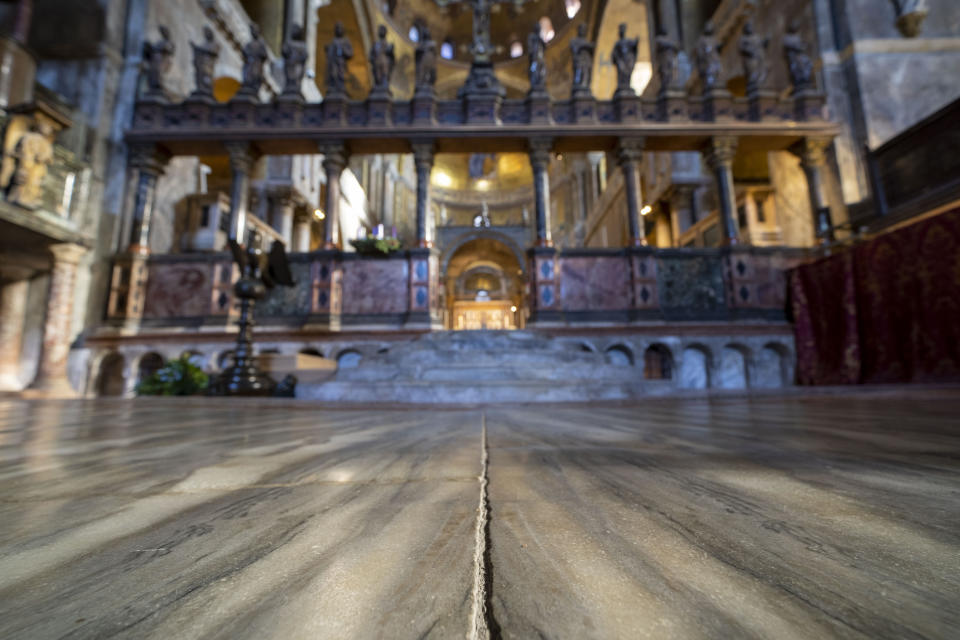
(481, 615)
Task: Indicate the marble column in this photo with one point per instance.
(581, 207)
(594, 158)
(423, 161)
(334, 161)
(52, 371)
(148, 163)
(389, 175)
(629, 155)
(301, 233)
(242, 158)
(14, 287)
(719, 157)
(813, 159)
(281, 214)
(540, 149)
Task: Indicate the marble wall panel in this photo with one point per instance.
(732, 372)
(375, 285)
(595, 283)
(289, 301)
(693, 284)
(181, 289)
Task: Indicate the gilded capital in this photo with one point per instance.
(813, 151)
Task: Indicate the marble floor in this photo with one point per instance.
(794, 516)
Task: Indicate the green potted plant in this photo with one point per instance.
(178, 377)
(371, 246)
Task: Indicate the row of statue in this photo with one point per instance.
(752, 49)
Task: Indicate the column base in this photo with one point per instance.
(50, 389)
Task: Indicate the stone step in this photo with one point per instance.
(484, 392)
(466, 372)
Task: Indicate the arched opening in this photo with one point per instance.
(771, 367)
(348, 359)
(657, 363)
(484, 286)
(619, 355)
(149, 364)
(733, 368)
(310, 351)
(110, 380)
(225, 360)
(695, 368)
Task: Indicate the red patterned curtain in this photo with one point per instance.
(887, 310)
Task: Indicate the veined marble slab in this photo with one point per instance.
(162, 520)
(796, 518)
(791, 517)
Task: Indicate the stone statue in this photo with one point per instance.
(536, 48)
(205, 57)
(294, 62)
(338, 50)
(382, 59)
(254, 55)
(158, 56)
(624, 56)
(798, 60)
(31, 155)
(708, 59)
(426, 61)
(753, 51)
(666, 59)
(582, 49)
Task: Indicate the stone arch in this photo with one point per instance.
(310, 351)
(110, 380)
(148, 364)
(695, 365)
(619, 354)
(587, 347)
(224, 359)
(482, 234)
(658, 362)
(734, 370)
(196, 358)
(772, 367)
(349, 358)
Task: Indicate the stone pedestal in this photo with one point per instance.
(424, 278)
(51, 378)
(762, 104)
(326, 299)
(378, 109)
(672, 105)
(584, 107)
(626, 104)
(334, 110)
(538, 107)
(717, 105)
(544, 282)
(424, 107)
(14, 287)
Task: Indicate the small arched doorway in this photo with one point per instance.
(484, 287)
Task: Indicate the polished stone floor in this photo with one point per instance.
(795, 516)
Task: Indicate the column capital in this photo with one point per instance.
(148, 158)
(283, 195)
(242, 156)
(423, 152)
(813, 151)
(721, 151)
(335, 155)
(630, 150)
(67, 253)
(540, 149)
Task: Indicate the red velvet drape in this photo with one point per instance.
(887, 310)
